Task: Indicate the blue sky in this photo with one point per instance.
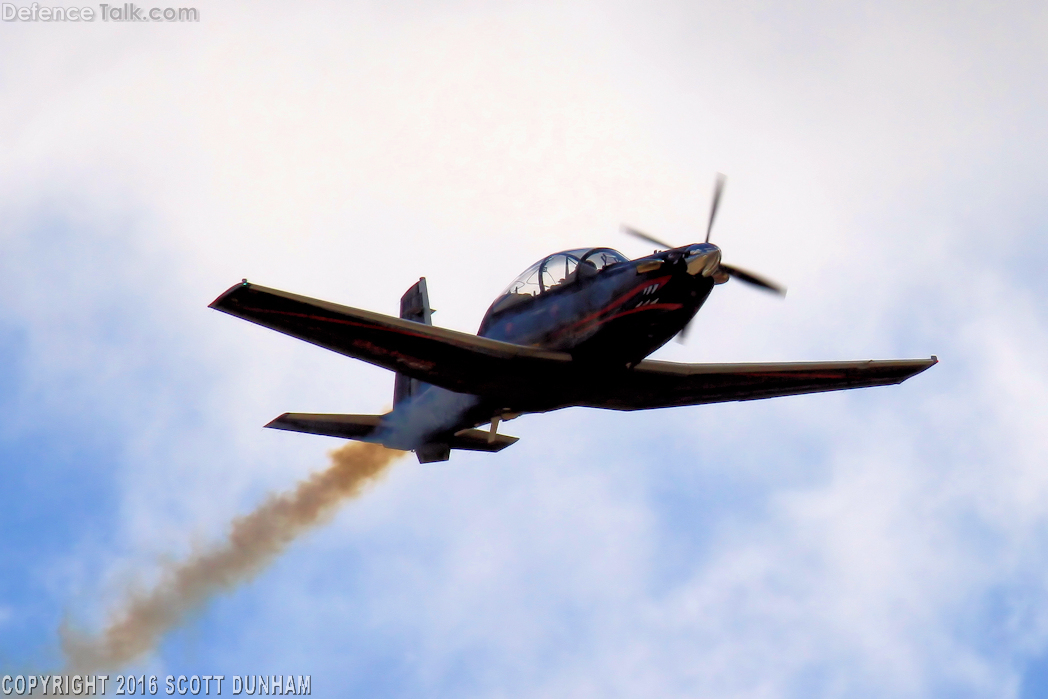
(885, 161)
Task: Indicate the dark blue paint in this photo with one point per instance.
(610, 319)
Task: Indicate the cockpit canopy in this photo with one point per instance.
(557, 271)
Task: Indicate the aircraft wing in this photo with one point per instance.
(653, 384)
(533, 379)
(453, 360)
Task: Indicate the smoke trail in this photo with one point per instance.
(254, 540)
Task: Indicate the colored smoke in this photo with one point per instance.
(254, 540)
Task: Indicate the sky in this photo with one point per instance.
(885, 161)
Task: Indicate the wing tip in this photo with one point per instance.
(277, 422)
(217, 304)
(919, 366)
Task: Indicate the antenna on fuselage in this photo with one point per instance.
(718, 187)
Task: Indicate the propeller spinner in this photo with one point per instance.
(720, 269)
(707, 262)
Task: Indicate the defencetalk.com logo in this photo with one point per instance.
(127, 12)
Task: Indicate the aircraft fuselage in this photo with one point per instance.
(608, 321)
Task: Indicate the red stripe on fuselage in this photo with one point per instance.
(650, 307)
(620, 301)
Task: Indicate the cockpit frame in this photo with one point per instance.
(545, 276)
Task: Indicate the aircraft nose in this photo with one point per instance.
(704, 259)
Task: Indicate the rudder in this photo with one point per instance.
(414, 305)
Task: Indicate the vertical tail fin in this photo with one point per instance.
(414, 305)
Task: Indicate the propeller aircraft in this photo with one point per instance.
(574, 329)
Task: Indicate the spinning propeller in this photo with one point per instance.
(731, 270)
(720, 271)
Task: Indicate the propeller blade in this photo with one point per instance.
(644, 236)
(717, 189)
(751, 278)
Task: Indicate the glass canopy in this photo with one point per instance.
(557, 271)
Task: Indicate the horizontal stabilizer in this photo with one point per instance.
(330, 425)
(478, 440)
(362, 426)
